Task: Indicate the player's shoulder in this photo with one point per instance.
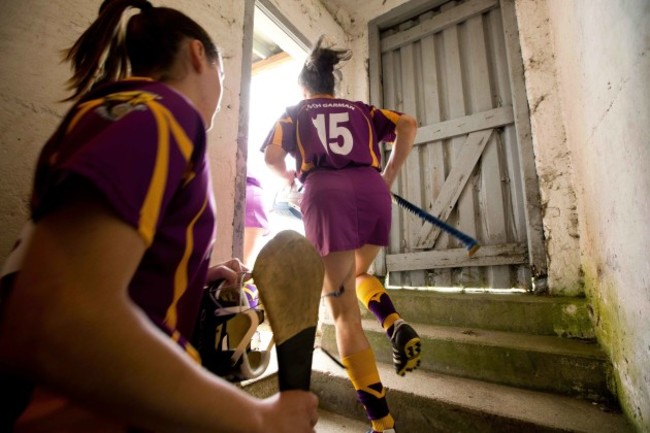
(115, 101)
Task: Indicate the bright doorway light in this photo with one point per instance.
(277, 60)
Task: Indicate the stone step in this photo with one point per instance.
(571, 367)
(329, 422)
(424, 402)
(516, 312)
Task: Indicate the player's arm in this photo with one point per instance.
(70, 324)
(275, 159)
(405, 131)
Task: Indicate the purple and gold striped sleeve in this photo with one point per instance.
(282, 134)
(384, 122)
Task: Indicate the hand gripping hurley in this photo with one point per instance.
(289, 276)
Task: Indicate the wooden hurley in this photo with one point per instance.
(289, 273)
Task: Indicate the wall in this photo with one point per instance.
(603, 68)
(31, 81)
(32, 35)
(552, 156)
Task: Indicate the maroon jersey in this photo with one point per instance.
(332, 133)
(142, 146)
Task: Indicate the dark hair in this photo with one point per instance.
(107, 51)
(317, 75)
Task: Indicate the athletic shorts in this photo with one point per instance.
(256, 215)
(346, 209)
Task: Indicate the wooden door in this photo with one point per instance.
(456, 66)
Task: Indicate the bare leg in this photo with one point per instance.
(252, 237)
(339, 273)
(364, 257)
(354, 349)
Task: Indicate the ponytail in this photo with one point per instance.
(148, 44)
(317, 75)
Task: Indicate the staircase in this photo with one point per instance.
(490, 363)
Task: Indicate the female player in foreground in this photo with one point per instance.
(102, 292)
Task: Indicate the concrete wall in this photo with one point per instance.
(31, 81)
(604, 75)
(598, 101)
(552, 155)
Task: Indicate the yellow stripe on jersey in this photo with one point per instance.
(304, 166)
(194, 354)
(390, 115)
(83, 109)
(166, 125)
(180, 277)
(278, 133)
(184, 143)
(153, 200)
(189, 349)
(371, 150)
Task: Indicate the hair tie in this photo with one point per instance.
(145, 6)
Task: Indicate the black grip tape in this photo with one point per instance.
(294, 360)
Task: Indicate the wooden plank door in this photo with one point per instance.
(456, 66)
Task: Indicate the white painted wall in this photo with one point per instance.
(31, 81)
(552, 156)
(593, 91)
(604, 75)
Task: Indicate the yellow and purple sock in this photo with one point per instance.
(372, 294)
(363, 373)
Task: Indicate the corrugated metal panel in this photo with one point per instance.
(448, 67)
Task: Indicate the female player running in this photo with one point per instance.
(346, 211)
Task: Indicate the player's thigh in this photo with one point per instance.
(338, 287)
(364, 257)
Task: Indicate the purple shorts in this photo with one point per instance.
(255, 206)
(346, 209)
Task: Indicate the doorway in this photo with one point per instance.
(278, 55)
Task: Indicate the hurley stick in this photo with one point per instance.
(471, 244)
(289, 276)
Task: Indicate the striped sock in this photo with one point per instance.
(374, 296)
(363, 373)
